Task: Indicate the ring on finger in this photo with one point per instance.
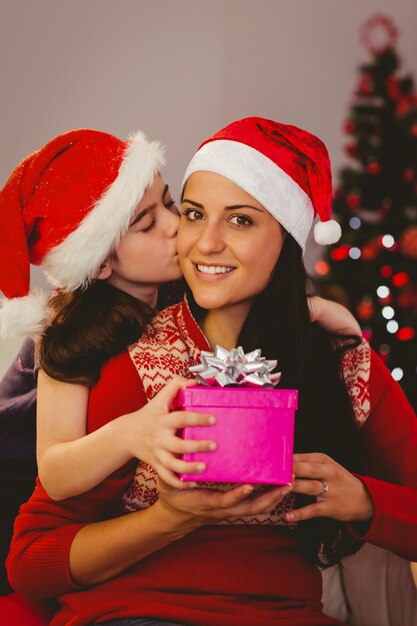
(324, 490)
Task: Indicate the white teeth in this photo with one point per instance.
(214, 269)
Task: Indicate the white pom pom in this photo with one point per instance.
(327, 232)
(25, 316)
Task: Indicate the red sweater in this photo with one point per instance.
(219, 575)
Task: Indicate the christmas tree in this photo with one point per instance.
(373, 268)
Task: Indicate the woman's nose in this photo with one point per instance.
(210, 240)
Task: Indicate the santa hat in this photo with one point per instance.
(284, 167)
(66, 208)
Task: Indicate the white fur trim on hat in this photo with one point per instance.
(328, 232)
(76, 260)
(262, 179)
(26, 316)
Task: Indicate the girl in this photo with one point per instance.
(95, 213)
(216, 558)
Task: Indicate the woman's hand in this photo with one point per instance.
(150, 434)
(339, 494)
(205, 506)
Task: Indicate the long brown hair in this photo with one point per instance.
(279, 324)
(89, 326)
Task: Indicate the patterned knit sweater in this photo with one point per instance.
(242, 574)
(169, 349)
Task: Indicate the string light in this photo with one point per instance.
(355, 253)
(392, 327)
(355, 223)
(322, 268)
(383, 291)
(387, 241)
(397, 373)
(388, 312)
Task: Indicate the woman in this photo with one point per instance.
(207, 557)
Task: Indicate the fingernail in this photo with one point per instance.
(247, 490)
(212, 445)
(211, 420)
(289, 517)
(201, 467)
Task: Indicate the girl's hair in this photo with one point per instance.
(88, 327)
(279, 324)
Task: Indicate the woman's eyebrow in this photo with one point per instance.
(231, 207)
(234, 207)
(142, 214)
(197, 204)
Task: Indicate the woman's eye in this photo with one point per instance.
(192, 215)
(240, 220)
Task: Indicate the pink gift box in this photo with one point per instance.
(254, 432)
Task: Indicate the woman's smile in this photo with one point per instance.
(212, 271)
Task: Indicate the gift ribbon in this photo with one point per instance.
(226, 368)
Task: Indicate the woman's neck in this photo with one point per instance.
(222, 326)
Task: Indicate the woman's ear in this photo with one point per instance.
(105, 270)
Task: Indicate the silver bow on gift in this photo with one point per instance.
(225, 368)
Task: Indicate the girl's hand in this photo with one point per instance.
(205, 506)
(339, 494)
(150, 434)
(332, 316)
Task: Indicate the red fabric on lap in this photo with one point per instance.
(17, 611)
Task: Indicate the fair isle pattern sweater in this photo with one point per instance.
(169, 349)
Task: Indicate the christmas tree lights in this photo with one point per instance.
(373, 268)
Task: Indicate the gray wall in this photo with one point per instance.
(180, 69)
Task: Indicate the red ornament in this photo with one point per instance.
(379, 33)
(386, 271)
(365, 308)
(373, 167)
(408, 174)
(393, 88)
(407, 299)
(365, 85)
(403, 107)
(353, 199)
(405, 334)
(338, 193)
(370, 250)
(400, 279)
(408, 242)
(351, 150)
(341, 253)
(349, 127)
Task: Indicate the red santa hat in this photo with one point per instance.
(284, 167)
(66, 208)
